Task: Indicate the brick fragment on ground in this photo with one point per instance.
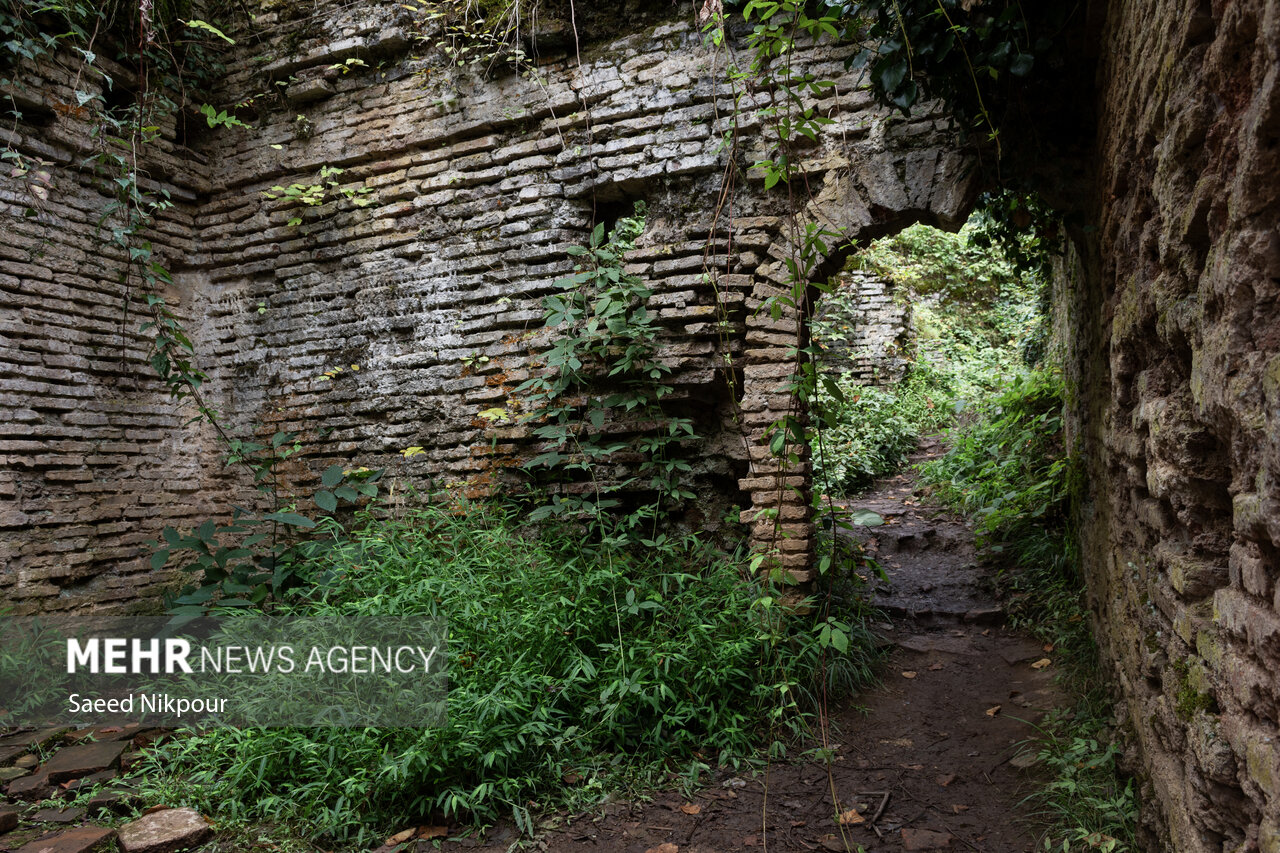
(8, 818)
(29, 788)
(34, 738)
(70, 789)
(58, 815)
(118, 800)
(82, 839)
(165, 831)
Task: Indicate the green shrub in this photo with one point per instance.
(870, 432)
(1007, 465)
(563, 659)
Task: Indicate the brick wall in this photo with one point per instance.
(477, 184)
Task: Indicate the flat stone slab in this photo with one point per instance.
(58, 815)
(8, 818)
(79, 840)
(70, 789)
(11, 753)
(29, 788)
(8, 774)
(74, 762)
(118, 800)
(35, 737)
(165, 832)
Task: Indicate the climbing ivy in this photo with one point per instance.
(600, 396)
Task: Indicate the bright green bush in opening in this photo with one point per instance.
(871, 431)
(1007, 469)
(565, 660)
(976, 320)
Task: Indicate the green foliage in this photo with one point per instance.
(32, 655)
(977, 316)
(600, 396)
(954, 267)
(219, 118)
(1009, 470)
(1089, 802)
(478, 34)
(326, 188)
(1023, 228)
(563, 659)
(257, 558)
(870, 432)
(972, 313)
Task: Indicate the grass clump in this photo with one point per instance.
(565, 661)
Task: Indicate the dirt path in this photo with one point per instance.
(925, 761)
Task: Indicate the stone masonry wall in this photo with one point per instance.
(1175, 334)
(91, 458)
(870, 333)
(477, 185)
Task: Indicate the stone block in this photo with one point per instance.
(165, 831)
(82, 839)
(74, 762)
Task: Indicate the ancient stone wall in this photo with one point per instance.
(1175, 338)
(867, 332)
(91, 458)
(465, 186)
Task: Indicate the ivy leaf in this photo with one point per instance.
(1021, 65)
(209, 28)
(291, 518)
(891, 73)
(866, 518)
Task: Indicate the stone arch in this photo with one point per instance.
(899, 174)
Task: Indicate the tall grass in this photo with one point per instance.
(566, 661)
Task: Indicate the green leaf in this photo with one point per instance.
(158, 559)
(891, 74)
(1021, 65)
(291, 518)
(326, 501)
(331, 477)
(866, 518)
(209, 28)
